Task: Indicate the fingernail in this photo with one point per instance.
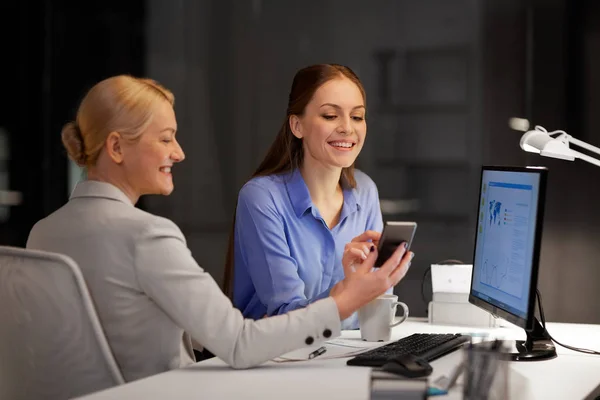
(405, 245)
(372, 248)
(412, 255)
(364, 256)
(408, 266)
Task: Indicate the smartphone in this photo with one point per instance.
(394, 233)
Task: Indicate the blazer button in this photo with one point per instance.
(309, 340)
(327, 333)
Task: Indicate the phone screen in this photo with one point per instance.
(394, 234)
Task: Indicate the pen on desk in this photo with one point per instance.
(317, 352)
(455, 374)
(445, 383)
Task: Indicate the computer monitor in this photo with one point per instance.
(507, 252)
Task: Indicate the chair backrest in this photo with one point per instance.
(52, 345)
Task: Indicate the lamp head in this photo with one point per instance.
(539, 141)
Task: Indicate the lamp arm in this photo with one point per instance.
(585, 157)
(586, 146)
(565, 138)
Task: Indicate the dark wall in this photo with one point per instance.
(563, 98)
(58, 50)
(22, 117)
(540, 62)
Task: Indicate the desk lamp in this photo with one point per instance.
(542, 142)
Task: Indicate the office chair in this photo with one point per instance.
(51, 343)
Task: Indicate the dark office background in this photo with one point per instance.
(443, 78)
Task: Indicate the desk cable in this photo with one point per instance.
(543, 321)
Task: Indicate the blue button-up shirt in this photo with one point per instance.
(285, 255)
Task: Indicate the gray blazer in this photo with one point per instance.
(151, 295)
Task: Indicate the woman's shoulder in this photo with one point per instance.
(143, 227)
(113, 220)
(148, 222)
(364, 183)
(140, 223)
(123, 219)
(263, 187)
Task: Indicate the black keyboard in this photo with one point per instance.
(427, 346)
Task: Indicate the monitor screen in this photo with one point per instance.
(507, 242)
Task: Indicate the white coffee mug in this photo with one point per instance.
(378, 317)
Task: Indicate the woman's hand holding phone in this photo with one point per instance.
(357, 251)
(363, 284)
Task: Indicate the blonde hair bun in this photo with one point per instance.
(73, 142)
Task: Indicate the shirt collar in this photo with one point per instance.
(298, 192)
(301, 201)
(105, 190)
(351, 203)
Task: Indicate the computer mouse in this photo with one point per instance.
(408, 365)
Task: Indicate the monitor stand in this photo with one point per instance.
(538, 345)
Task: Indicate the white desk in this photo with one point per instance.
(571, 375)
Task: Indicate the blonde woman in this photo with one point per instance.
(151, 295)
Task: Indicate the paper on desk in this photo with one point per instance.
(336, 348)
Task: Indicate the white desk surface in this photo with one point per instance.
(571, 375)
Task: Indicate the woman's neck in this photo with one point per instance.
(323, 183)
(97, 174)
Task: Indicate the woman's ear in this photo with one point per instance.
(296, 126)
(114, 147)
